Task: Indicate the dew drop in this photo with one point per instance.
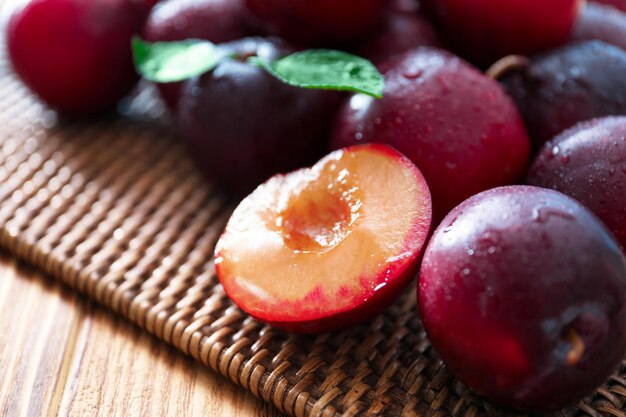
(412, 74)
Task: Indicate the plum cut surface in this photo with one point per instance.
(306, 249)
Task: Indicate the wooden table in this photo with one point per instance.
(61, 354)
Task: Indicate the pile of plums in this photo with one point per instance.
(494, 166)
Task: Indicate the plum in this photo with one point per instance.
(485, 30)
(588, 162)
(604, 23)
(317, 22)
(457, 125)
(568, 85)
(74, 54)
(242, 125)
(398, 33)
(522, 292)
(217, 21)
(618, 4)
(315, 250)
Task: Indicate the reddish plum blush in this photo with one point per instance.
(569, 85)
(74, 54)
(217, 21)
(604, 23)
(588, 162)
(457, 125)
(242, 125)
(399, 32)
(522, 292)
(489, 29)
(317, 22)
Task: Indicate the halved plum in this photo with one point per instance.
(326, 247)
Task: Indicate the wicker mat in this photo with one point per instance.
(113, 208)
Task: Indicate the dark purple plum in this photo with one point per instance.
(317, 22)
(457, 125)
(568, 85)
(588, 162)
(399, 32)
(522, 292)
(217, 21)
(604, 23)
(242, 125)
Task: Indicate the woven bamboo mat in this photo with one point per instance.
(114, 209)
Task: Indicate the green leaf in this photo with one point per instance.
(165, 62)
(327, 70)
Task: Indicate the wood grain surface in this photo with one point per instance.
(62, 355)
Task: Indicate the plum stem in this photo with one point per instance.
(507, 64)
(577, 350)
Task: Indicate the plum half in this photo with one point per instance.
(457, 125)
(522, 292)
(588, 162)
(324, 248)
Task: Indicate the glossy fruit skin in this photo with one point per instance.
(318, 22)
(506, 277)
(601, 22)
(485, 30)
(457, 125)
(588, 162)
(217, 21)
(242, 125)
(618, 4)
(568, 85)
(398, 33)
(75, 55)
